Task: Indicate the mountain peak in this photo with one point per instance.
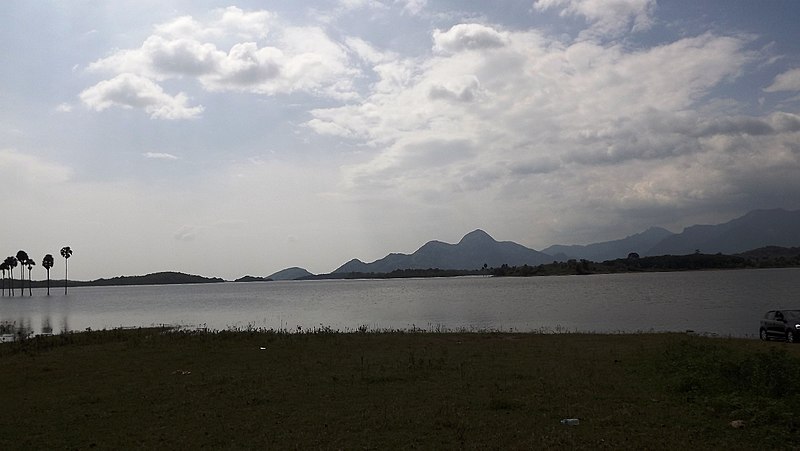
(475, 250)
(476, 235)
(290, 273)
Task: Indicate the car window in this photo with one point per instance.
(793, 314)
(770, 315)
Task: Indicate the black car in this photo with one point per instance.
(780, 324)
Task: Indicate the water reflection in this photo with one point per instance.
(47, 329)
(22, 327)
(15, 330)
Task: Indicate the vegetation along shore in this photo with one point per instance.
(768, 257)
(156, 388)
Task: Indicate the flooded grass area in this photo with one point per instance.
(253, 389)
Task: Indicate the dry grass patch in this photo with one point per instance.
(151, 388)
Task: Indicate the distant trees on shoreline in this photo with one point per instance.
(10, 263)
(25, 261)
(66, 252)
(47, 263)
(662, 263)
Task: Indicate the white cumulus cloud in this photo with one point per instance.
(133, 91)
(470, 36)
(541, 124)
(608, 18)
(267, 57)
(463, 89)
(160, 156)
(787, 81)
(227, 21)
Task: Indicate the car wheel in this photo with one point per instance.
(763, 335)
(790, 337)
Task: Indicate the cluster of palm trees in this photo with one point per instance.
(24, 261)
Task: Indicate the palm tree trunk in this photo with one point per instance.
(30, 291)
(48, 281)
(66, 275)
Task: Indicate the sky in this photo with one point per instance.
(226, 139)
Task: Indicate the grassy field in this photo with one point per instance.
(157, 389)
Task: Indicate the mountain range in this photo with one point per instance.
(474, 251)
(640, 243)
(756, 229)
(758, 235)
(759, 228)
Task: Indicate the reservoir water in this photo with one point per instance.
(714, 302)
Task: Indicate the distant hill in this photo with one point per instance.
(473, 251)
(159, 278)
(759, 228)
(290, 274)
(253, 279)
(639, 243)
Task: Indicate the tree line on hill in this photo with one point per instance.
(23, 260)
(770, 257)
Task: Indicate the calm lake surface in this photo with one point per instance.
(715, 302)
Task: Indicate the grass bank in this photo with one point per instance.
(156, 389)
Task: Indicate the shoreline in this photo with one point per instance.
(565, 269)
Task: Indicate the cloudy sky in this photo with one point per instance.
(226, 139)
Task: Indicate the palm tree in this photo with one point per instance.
(30, 264)
(12, 263)
(66, 252)
(47, 263)
(22, 258)
(3, 267)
